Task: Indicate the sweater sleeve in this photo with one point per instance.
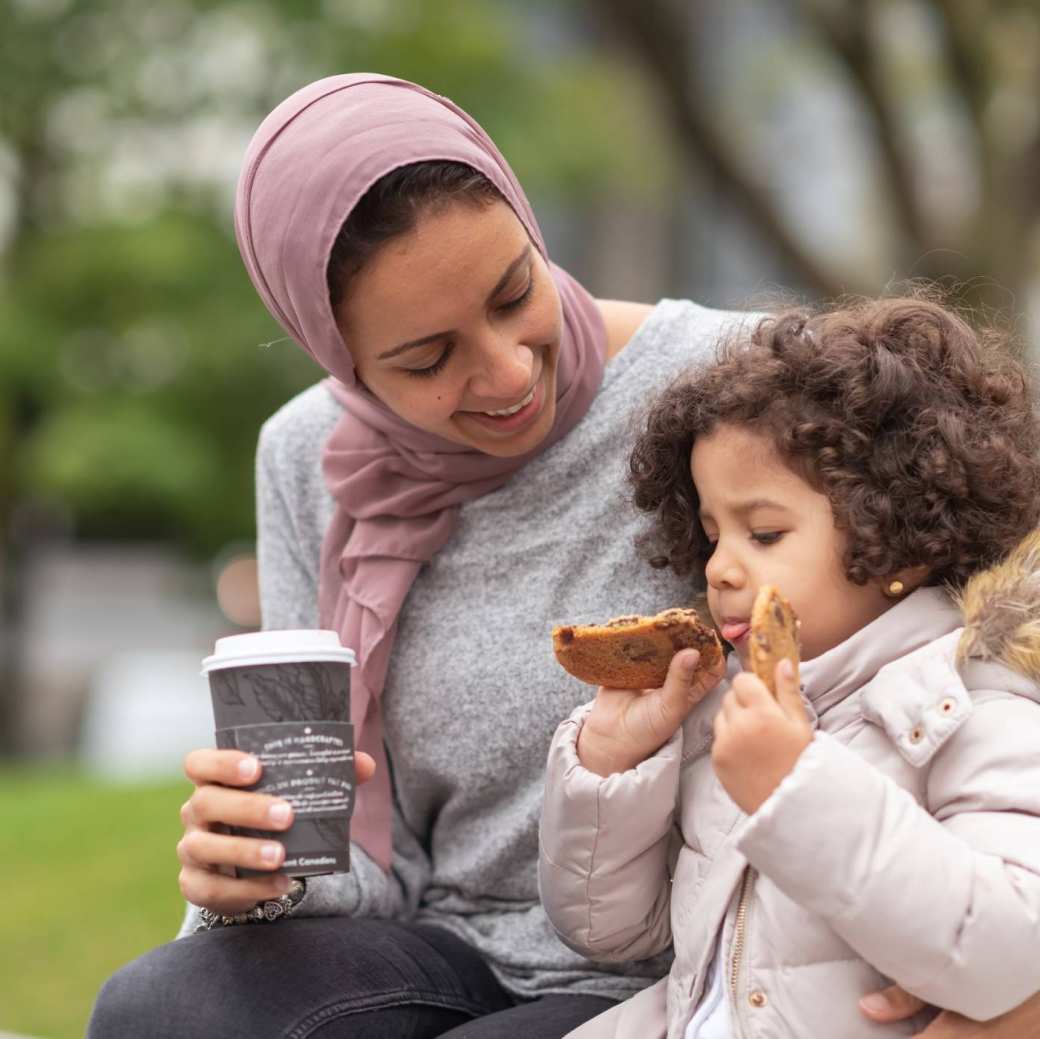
(944, 898)
(604, 850)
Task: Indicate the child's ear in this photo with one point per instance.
(915, 576)
(900, 584)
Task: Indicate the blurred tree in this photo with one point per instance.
(907, 67)
(136, 363)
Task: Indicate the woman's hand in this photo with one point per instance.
(893, 1004)
(208, 855)
(758, 738)
(626, 726)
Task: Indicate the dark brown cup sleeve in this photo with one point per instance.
(310, 764)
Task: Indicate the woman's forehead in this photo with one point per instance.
(451, 263)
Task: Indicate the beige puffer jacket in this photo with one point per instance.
(904, 845)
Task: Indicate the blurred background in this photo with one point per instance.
(722, 150)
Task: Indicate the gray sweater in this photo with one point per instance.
(474, 694)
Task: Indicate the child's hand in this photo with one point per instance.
(759, 739)
(626, 726)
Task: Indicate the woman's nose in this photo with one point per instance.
(504, 370)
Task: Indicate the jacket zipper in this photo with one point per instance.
(740, 930)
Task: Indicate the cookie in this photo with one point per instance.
(774, 635)
(633, 652)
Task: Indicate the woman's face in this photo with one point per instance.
(456, 325)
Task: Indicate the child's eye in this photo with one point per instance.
(767, 537)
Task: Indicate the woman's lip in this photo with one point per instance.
(511, 423)
(734, 631)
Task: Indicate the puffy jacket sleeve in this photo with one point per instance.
(605, 846)
(944, 898)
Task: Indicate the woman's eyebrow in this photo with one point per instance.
(509, 272)
(500, 285)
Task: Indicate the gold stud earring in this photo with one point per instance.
(894, 589)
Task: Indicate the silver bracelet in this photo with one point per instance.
(262, 913)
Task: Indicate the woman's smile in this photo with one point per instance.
(515, 417)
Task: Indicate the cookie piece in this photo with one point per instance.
(774, 635)
(633, 652)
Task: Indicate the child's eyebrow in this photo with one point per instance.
(744, 507)
(759, 503)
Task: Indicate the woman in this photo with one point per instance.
(454, 489)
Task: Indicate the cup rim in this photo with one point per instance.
(248, 650)
(214, 663)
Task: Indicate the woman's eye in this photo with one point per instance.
(767, 537)
(519, 301)
(437, 365)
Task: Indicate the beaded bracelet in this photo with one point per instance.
(262, 913)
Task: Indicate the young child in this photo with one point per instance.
(878, 464)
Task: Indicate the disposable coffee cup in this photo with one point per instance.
(284, 696)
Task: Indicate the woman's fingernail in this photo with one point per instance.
(271, 853)
(283, 883)
(279, 813)
(875, 1001)
(247, 768)
(786, 668)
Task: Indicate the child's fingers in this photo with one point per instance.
(730, 707)
(721, 724)
(788, 690)
(681, 690)
(751, 692)
(705, 679)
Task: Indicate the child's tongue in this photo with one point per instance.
(733, 631)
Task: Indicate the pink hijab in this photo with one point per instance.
(397, 489)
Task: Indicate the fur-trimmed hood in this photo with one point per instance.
(1001, 608)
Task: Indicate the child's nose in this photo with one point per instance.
(723, 570)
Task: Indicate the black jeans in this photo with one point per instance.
(327, 978)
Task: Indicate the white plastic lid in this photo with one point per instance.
(277, 647)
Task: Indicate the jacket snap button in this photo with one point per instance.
(947, 705)
(757, 999)
(916, 734)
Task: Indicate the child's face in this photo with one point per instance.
(768, 526)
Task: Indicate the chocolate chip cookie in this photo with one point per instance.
(633, 652)
(774, 635)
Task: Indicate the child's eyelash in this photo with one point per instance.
(437, 365)
(767, 537)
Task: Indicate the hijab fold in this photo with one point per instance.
(397, 489)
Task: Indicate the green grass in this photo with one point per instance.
(90, 882)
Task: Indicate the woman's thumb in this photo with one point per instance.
(890, 1004)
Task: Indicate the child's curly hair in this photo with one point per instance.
(922, 434)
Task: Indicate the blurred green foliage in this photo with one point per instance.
(136, 363)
